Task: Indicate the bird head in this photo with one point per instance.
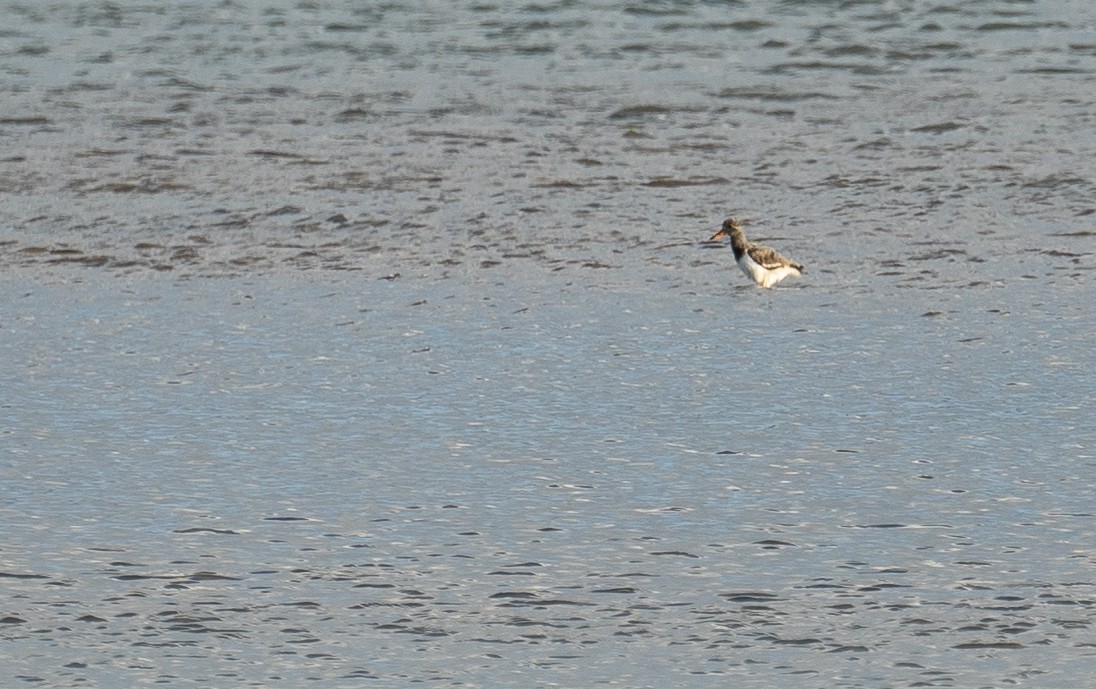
(729, 226)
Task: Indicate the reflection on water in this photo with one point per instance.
(383, 344)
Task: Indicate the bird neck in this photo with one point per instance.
(738, 243)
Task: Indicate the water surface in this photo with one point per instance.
(382, 346)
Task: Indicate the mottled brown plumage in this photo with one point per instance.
(764, 265)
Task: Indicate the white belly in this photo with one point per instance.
(763, 276)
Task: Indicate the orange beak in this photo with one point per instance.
(718, 235)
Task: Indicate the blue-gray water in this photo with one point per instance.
(382, 347)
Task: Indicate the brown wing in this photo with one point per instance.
(770, 259)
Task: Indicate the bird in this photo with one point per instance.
(762, 264)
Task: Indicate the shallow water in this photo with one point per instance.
(383, 347)
(226, 139)
(267, 481)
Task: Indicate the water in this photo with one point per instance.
(381, 346)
